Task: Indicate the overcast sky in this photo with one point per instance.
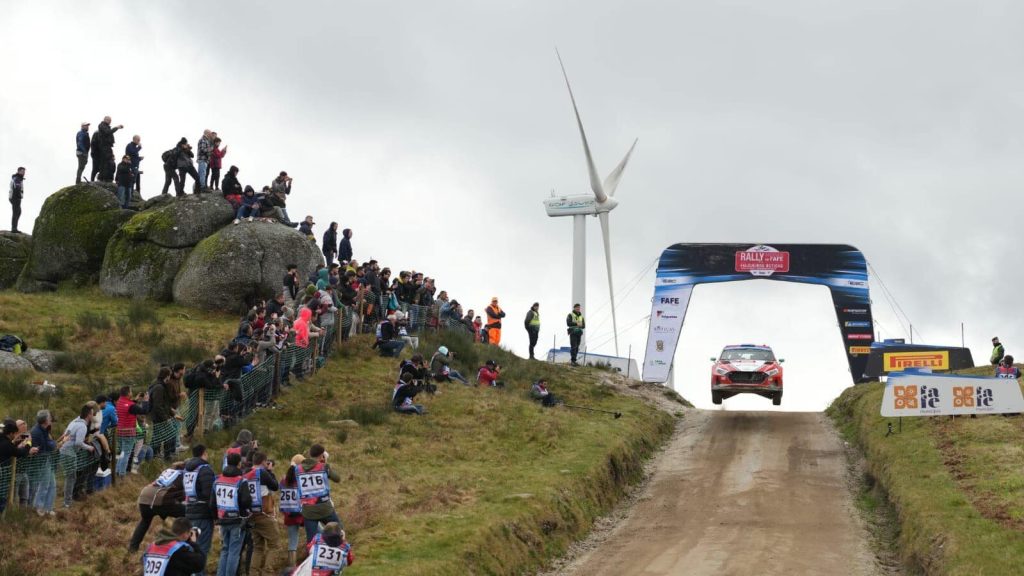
(435, 130)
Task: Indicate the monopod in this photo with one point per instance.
(617, 415)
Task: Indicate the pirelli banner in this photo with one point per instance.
(839, 267)
(894, 358)
(915, 394)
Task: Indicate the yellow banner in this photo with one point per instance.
(899, 361)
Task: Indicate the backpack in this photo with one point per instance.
(9, 341)
(169, 156)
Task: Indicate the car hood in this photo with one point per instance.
(746, 365)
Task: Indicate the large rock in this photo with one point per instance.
(242, 262)
(146, 252)
(42, 360)
(14, 251)
(70, 237)
(11, 363)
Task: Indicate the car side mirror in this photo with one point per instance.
(781, 360)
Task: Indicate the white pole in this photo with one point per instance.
(579, 265)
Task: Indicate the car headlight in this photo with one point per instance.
(773, 372)
(721, 371)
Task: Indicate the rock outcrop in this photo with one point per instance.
(145, 254)
(14, 251)
(242, 262)
(12, 363)
(70, 237)
(42, 360)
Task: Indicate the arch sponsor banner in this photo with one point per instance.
(916, 394)
(839, 267)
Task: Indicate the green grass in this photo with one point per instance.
(487, 483)
(955, 483)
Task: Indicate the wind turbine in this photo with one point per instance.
(581, 205)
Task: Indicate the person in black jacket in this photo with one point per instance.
(12, 445)
(176, 548)
(330, 245)
(198, 483)
(232, 505)
(405, 390)
(96, 153)
(125, 180)
(106, 141)
(345, 246)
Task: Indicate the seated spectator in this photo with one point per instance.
(388, 343)
(405, 390)
(175, 552)
(440, 367)
(164, 497)
(488, 375)
(403, 330)
(272, 207)
(539, 391)
(248, 204)
(306, 228)
(232, 188)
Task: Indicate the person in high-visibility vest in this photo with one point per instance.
(493, 326)
(997, 352)
(174, 552)
(532, 324)
(576, 324)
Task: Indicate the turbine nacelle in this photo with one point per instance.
(579, 204)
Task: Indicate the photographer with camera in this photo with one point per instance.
(312, 478)
(488, 375)
(263, 521)
(198, 482)
(204, 376)
(164, 497)
(15, 443)
(405, 390)
(440, 366)
(232, 502)
(175, 553)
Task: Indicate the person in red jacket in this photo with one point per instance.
(128, 411)
(216, 161)
(488, 375)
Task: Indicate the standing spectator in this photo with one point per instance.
(132, 150)
(291, 285)
(76, 433)
(125, 180)
(96, 153)
(532, 324)
(185, 167)
(170, 164)
(291, 507)
(493, 326)
(82, 145)
(13, 444)
(44, 481)
(107, 149)
(15, 195)
(263, 524)
(575, 325)
(330, 245)
(161, 400)
(312, 477)
(232, 502)
(216, 161)
(997, 352)
(282, 184)
(197, 482)
(203, 159)
(345, 246)
(128, 412)
(164, 497)
(109, 415)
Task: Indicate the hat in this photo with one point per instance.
(283, 173)
(10, 426)
(443, 350)
(399, 315)
(85, 124)
(494, 298)
(392, 317)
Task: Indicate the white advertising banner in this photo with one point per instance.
(667, 312)
(919, 394)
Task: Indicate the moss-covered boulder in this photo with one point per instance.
(14, 251)
(242, 262)
(146, 252)
(70, 237)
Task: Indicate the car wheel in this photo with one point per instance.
(716, 397)
(777, 399)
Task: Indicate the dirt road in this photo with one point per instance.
(740, 493)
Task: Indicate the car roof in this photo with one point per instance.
(755, 346)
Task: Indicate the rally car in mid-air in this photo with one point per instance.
(746, 368)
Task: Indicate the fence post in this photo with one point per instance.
(314, 348)
(10, 487)
(201, 414)
(277, 372)
(338, 324)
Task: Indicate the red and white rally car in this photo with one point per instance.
(746, 368)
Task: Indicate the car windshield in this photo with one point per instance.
(747, 354)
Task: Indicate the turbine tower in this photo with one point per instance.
(579, 206)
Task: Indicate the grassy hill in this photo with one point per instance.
(955, 483)
(487, 483)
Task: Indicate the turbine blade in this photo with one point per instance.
(603, 216)
(612, 181)
(595, 182)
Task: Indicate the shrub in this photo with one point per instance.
(141, 312)
(15, 385)
(82, 361)
(367, 414)
(89, 322)
(55, 339)
(178, 351)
